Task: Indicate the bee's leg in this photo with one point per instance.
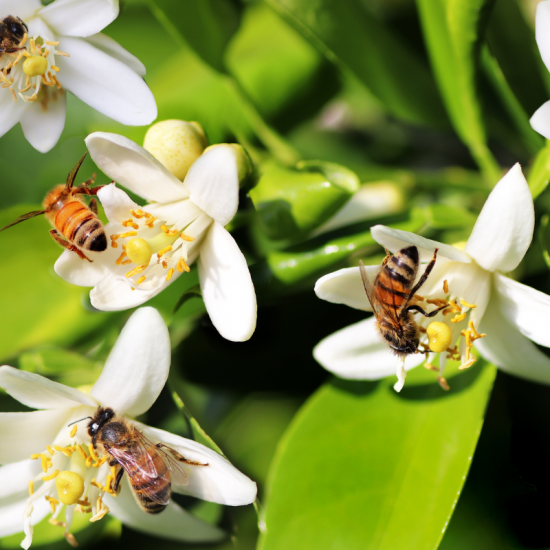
(116, 486)
(93, 206)
(178, 456)
(387, 258)
(89, 182)
(66, 244)
(427, 271)
(84, 190)
(420, 310)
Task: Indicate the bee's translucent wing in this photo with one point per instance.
(24, 217)
(369, 288)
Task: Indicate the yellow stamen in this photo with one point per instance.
(445, 287)
(429, 366)
(443, 383)
(101, 510)
(53, 502)
(187, 238)
(141, 279)
(128, 234)
(475, 333)
(51, 476)
(14, 97)
(52, 42)
(437, 302)
(165, 265)
(93, 454)
(458, 318)
(96, 484)
(31, 487)
(65, 450)
(121, 257)
(64, 54)
(170, 273)
(100, 462)
(50, 450)
(467, 364)
(55, 68)
(466, 304)
(81, 449)
(164, 251)
(455, 306)
(182, 266)
(137, 214)
(57, 523)
(418, 298)
(126, 262)
(136, 270)
(89, 461)
(448, 310)
(130, 223)
(169, 232)
(70, 539)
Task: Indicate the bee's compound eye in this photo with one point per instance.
(94, 427)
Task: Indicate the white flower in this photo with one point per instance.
(509, 313)
(131, 381)
(540, 121)
(98, 71)
(152, 246)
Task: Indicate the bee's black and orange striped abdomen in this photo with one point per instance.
(78, 224)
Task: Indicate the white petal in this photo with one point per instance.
(75, 270)
(38, 392)
(358, 352)
(346, 287)
(106, 84)
(26, 433)
(213, 181)
(135, 168)
(10, 112)
(109, 46)
(137, 367)
(22, 8)
(218, 482)
(542, 24)
(43, 126)
(79, 17)
(14, 478)
(395, 239)
(113, 293)
(505, 347)
(504, 229)
(525, 308)
(540, 121)
(116, 202)
(226, 285)
(173, 523)
(11, 515)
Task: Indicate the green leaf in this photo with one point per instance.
(193, 292)
(443, 216)
(206, 25)
(453, 31)
(352, 37)
(539, 174)
(39, 307)
(362, 464)
(291, 203)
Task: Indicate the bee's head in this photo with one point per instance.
(101, 417)
(16, 26)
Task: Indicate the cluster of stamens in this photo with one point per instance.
(70, 485)
(139, 252)
(440, 335)
(38, 68)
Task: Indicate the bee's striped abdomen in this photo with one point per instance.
(397, 277)
(159, 486)
(77, 223)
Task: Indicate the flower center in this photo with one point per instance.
(157, 249)
(30, 68)
(69, 480)
(441, 334)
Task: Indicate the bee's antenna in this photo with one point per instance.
(76, 421)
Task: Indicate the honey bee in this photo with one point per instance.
(151, 468)
(76, 225)
(392, 298)
(12, 34)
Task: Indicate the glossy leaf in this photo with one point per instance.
(206, 25)
(363, 463)
(351, 36)
(453, 30)
(539, 173)
(291, 203)
(39, 307)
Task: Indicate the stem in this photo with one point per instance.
(274, 142)
(509, 101)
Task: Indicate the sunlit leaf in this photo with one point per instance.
(363, 463)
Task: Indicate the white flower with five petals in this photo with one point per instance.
(509, 313)
(131, 381)
(97, 70)
(152, 246)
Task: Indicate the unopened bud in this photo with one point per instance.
(177, 144)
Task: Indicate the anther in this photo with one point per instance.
(141, 279)
(169, 232)
(120, 258)
(437, 302)
(443, 383)
(52, 43)
(51, 476)
(130, 223)
(53, 502)
(31, 487)
(50, 450)
(70, 539)
(93, 454)
(429, 366)
(466, 304)
(65, 450)
(160, 253)
(458, 318)
(136, 270)
(57, 523)
(170, 273)
(187, 238)
(445, 287)
(182, 266)
(82, 452)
